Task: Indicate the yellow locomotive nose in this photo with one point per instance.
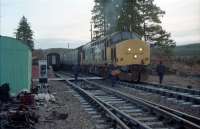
(131, 52)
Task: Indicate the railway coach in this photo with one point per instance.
(70, 58)
(53, 59)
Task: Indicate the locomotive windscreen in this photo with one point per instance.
(121, 36)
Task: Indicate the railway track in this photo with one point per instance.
(131, 111)
(183, 95)
(102, 116)
(188, 96)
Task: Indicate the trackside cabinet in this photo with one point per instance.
(43, 74)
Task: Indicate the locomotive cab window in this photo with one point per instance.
(113, 54)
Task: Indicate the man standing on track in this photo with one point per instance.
(114, 75)
(76, 70)
(161, 71)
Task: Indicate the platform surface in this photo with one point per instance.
(70, 78)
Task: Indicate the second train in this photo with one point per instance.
(124, 50)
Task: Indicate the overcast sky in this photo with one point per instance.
(58, 22)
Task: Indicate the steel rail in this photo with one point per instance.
(174, 88)
(165, 92)
(100, 105)
(127, 118)
(114, 112)
(187, 121)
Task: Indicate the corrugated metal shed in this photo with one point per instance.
(15, 64)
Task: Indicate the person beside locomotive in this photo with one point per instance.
(114, 74)
(141, 69)
(160, 71)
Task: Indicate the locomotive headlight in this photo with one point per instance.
(140, 49)
(129, 49)
(135, 56)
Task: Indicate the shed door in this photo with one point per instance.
(53, 60)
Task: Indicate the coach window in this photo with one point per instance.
(93, 54)
(102, 56)
(114, 53)
(83, 55)
(106, 43)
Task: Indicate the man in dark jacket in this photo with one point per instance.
(161, 71)
(76, 70)
(114, 75)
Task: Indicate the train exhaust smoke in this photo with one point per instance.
(112, 11)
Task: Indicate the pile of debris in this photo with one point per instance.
(17, 112)
(21, 112)
(42, 94)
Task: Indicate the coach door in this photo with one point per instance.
(113, 54)
(108, 55)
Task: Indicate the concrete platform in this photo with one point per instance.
(50, 79)
(85, 78)
(70, 78)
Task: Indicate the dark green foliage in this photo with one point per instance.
(98, 19)
(105, 16)
(24, 33)
(129, 17)
(139, 16)
(162, 40)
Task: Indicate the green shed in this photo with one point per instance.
(15, 64)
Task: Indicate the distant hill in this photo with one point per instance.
(188, 50)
